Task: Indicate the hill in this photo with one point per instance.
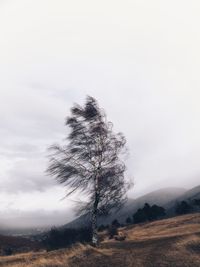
(160, 197)
(165, 243)
(191, 194)
(188, 196)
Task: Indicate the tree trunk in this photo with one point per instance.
(95, 239)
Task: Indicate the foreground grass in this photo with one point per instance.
(172, 242)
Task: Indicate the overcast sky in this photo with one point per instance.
(139, 59)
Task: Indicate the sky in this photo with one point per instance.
(139, 59)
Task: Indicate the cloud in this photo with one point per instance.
(34, 120)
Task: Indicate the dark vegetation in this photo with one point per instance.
(183, 208)
(128, 220)
(103, 227)
(196, 202)
(148, 213)
(57, 238)
(112, 231)
(116, 223)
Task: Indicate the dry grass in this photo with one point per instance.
(173, 242)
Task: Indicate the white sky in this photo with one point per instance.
(140, 59)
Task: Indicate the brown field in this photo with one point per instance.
(172, 242)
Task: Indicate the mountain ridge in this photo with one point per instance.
(161, 197)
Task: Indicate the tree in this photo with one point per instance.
(116, 223)
(183, 208)
(148, 213)
(157, 212)
(139, 216)
(102, 227)
(128, 220)
(147, 210)
(61, 238)
(90, 161)
(112, 231)
(196, 202)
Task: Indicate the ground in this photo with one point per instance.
(173, 242)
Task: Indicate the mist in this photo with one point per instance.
(139, 60)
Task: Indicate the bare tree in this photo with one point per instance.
(90, 161)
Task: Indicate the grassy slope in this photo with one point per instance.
(171, 242)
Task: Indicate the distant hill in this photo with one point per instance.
(188, 196)
(191, 194)
(160, 197)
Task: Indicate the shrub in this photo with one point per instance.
(116, 223)
(7, 251)
(128, 220)
(148, 213)
(183, 208)
(102, 227)
(56, 238)
(156, 212)
(139, 216)
(197, 202)
(112, 231)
